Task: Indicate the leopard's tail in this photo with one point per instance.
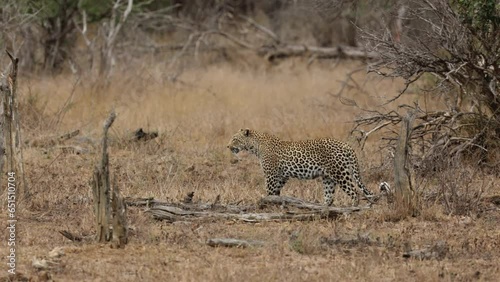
(384, 187)
(355, 174)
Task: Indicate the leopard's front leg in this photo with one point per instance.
(275, 180)
(274, 183)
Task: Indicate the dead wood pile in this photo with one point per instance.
(290, 209)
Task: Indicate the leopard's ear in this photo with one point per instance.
(246, 132)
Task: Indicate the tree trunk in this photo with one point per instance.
(403, 178)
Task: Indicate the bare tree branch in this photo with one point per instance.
(436, 40)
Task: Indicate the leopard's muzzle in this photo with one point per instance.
(235, 150)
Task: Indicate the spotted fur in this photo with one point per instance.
(332, 160)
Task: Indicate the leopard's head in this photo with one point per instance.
(242, 140)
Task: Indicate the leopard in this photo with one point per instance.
(333, 160)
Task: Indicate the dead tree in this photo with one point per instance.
(102, 187)
(11, 143)
(403, 176)
(457, 48)
(105, 215)
(110, 30)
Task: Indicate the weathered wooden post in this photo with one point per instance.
(403, 179)
(106, 215)
(10, 135)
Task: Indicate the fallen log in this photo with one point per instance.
(71, 236)
(273, 52)
(307, 211)
(51, 141)
(140, 202)
(215, 206)
(301, 204)
(282, 50)
(358, 240)
(231, 242)
(439, 250)
(172, 214)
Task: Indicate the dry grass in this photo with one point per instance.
(195, 120)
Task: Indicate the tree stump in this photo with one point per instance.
(104, 216)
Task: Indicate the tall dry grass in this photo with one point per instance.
(286, 101)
